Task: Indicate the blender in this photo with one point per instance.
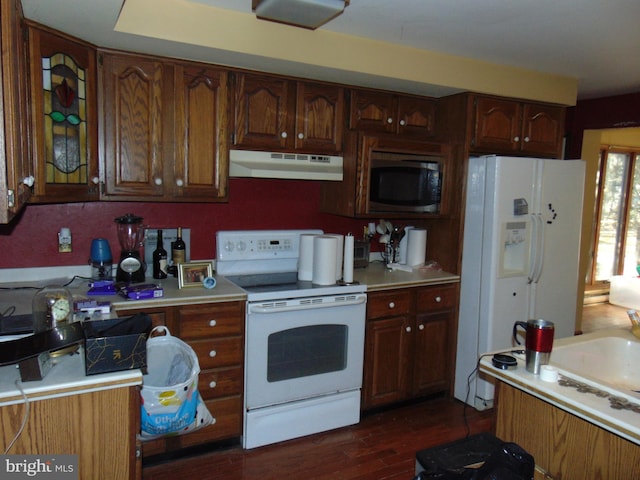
(131, 266)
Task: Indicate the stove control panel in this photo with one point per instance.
(236, 245)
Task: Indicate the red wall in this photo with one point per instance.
(31, 240)
(619, 111)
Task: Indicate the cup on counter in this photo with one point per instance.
(538, 342)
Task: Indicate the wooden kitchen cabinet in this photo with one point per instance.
(16, 174)
(132, 133)
(382, 112)
(278, 114)
(164, 129)
(64, 121)
(508, 126)
(99, 426)
(409, 344)
(216, 333)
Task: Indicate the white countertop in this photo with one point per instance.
(587, 406)
(66, 377)
(378, 277)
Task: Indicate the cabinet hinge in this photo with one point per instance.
(11, 198)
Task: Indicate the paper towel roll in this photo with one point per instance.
(325, 249)
(347, 269)
(402, 249)
(339, 253)
(305, 260)
(416, 246)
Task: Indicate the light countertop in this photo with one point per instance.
(590, 407)
(378, 277)
(66, 377)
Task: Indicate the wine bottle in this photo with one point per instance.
(178, 252)
(160, 259)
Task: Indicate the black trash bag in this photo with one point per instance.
(509, 462)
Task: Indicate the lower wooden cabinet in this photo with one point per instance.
(216, 333)
(98, 426)
(409, 343)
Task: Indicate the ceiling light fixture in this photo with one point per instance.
(300, 13)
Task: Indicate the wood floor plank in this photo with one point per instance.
(381, 447)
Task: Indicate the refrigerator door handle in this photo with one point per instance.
(537, 257)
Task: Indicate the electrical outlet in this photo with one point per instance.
(64, 240)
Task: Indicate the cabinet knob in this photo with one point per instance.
(438, 299)
(526, 139)
(157, 181)
(301, 135)
(95, 180)
(389, 120)
(516, 139)
(179, 182)
(212, 323)
(29, 181)
(403, 123)
(213, 384)
(421, 326)
(213, 353)
(284, 135)
(408, 329)
(392, 305)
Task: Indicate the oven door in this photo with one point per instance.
(303, 348)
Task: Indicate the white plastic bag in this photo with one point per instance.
(171, 403)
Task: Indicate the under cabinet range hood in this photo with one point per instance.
(296, 166)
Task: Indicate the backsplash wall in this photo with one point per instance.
(31, 240)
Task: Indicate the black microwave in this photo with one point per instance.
(404, 183)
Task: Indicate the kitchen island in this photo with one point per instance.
(95, 417)
(572, 432)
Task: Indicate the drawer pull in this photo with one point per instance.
(408, 329)
(213, 353)
(213, 384)
(392, 305)
(438, 299)
(421, 327)
(212, 323)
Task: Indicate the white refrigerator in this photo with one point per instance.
(520, 257)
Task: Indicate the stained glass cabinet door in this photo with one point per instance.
(63, 117)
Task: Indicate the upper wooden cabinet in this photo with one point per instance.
(277, 114)
(132, 113)
(164, 129)
(63, 117)
(382, 112)
(508, 126)
(15, 162)
(201, 136)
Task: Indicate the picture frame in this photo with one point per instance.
(191, 274)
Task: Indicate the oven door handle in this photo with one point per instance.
(261, 309)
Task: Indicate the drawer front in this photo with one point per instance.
(220, 382)
(227, 414)
(218, 352)
(212, 320)
(385, 304)
(436, 298)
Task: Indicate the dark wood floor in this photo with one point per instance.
(382, 446)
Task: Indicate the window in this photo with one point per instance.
(617, 230)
